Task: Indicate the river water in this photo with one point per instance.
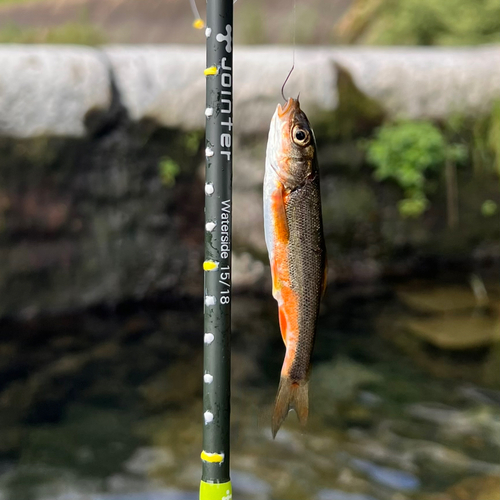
(106, 405)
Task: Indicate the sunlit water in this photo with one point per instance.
(106, 405)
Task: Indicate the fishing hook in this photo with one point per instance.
(286, 80)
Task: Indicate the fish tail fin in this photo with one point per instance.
(290, 395)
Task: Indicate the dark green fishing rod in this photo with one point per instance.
(215, 479)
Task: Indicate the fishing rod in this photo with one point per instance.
(215, 479)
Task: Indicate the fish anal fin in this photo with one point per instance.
(294, 395)
(283, 322)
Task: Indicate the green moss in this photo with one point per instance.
(169, 170)
(489, 208)
(28, 162)
(413, 206)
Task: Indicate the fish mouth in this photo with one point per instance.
(287, 108)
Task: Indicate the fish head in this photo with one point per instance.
(294, 144)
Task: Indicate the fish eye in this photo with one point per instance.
(300, 136)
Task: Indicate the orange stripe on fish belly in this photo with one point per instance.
(287, 299)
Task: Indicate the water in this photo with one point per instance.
(106, 405)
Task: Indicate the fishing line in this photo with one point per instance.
(293, 56)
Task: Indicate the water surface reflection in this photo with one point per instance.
(106, 405)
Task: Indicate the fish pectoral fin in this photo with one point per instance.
(280, 223)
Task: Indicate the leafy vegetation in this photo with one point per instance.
(15, 2)
(422, 22)
(81, 33)
(489, 208)
(408, 153)
(169, 170)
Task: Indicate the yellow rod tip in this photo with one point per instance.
(213, 458)
(210, 265)
(198, 24)
(211, 71)
(216, 491)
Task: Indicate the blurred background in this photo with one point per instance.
(101, 246)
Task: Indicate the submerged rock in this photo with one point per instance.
(147, 459)
(457, 332)
(476, 488)
(163, 389)
(387, 476)
(341, 495)
(451, 318)
(481, 395)
(439, 299)
(326, 377)
(472, 488)
(246, 483)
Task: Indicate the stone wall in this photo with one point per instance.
(50, 90)
(86, 217)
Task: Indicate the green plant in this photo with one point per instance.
(192, 141)
(169, 170)
(81, 33)
(407, 153)
(421, 22)
(489, 208)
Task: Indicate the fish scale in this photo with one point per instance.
(306, 256)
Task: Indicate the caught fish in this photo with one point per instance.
(294, 238)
